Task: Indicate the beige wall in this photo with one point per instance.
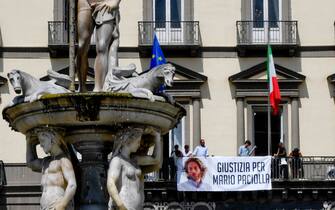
(131, 12)
(25, 23)
(219, 109)
(217, 21)
(317, 112)
(315, 21)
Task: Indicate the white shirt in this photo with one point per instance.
(200, 151)
(188, 154)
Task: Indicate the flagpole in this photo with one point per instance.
(269, 106)
(269, 121)
(72, 48)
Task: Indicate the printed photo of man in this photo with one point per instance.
(195, 170)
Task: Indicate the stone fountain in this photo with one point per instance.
(122, 116)
(91, 121)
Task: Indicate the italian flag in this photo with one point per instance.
(274, 91)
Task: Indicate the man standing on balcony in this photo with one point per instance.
(105, 17)
(201, 150)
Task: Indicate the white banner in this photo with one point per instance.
(224, 173)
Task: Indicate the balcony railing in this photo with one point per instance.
(182, 33)
(313, 168)
(264, 32)
(58, 33)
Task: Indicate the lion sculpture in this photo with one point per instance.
(143, 85)
(32, 88)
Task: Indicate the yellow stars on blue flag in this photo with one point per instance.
(157, 56)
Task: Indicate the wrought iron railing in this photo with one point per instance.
(179, 33)
(311, 168)
(264, 32)
(308, 168)
(58, 33)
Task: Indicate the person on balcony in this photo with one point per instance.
(176, 162)
(245, 149)
(201, 150)
(281, 157)
(296, 163)
(187, 152)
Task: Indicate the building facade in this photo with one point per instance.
(219, 50)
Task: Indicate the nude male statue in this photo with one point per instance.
(105, 17)
(58, 178)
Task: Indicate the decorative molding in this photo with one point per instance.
(61, 51)
(246, 85)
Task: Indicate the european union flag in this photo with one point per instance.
(157, 56)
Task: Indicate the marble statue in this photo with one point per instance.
(125, 181)
(143, 85)
(104, 16)
(32, 88)
(58, 178)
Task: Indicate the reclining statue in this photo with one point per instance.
(32, 88)
(143, 85)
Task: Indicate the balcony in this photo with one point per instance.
(58, 33)
(58, 39)
(254, 36)
(174, 37)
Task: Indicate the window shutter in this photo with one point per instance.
(188, 10)
(59, 13)
(246, 9)
(148, 10)
(286, 10)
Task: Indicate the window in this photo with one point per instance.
(259, 129)
(251, 93)
(168, 15)
(266, 15)
(177, 136)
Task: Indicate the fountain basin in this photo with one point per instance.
(93, 110)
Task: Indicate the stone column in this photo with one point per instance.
(94, 146)
(196, 122)
(240, 121)
(72, 40)
(187, 124)
(295, 123)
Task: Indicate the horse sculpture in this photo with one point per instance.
(32, 88)
(143, 85)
